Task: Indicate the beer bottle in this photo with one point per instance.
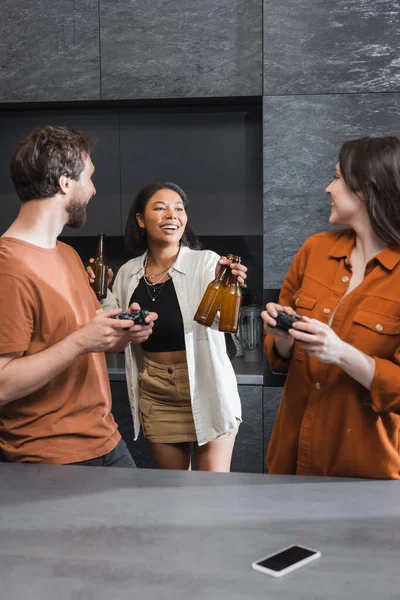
(231, 302)
(100, 268)
(211, 300)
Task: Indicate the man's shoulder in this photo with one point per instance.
(11, 262)
(70, 256)
(65, 247)
(68, 250)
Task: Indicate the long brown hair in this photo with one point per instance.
(370, 167)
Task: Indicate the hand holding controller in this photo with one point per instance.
(285, 321)
(136, 316)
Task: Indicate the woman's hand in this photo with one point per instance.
(136, 334)
(319, 340)
(238, 269)
(269, 315)
(91, 277)
(284, 341)
(140, 333)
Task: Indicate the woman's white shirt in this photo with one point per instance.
(212, 380)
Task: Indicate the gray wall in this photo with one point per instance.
(180, 49)
(49, 50)
(129, 49)
(331, 72)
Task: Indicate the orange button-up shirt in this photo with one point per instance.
(328, 423)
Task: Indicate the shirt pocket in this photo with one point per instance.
(375, 334)
(304, 304)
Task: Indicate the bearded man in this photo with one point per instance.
(55, 399)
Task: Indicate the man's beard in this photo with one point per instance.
(77, 214)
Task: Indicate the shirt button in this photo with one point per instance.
(379, 327)
(327, 311)
(318, 385)
(345, 279)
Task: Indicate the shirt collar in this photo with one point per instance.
(344, 245)
(388, 257)
(179, 263)
(177, 266)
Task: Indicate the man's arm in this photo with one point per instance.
(23, 375)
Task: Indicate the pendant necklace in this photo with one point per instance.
(153, 289)
(151, 285)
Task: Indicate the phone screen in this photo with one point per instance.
(285, 559)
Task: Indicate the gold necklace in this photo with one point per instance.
(163, 273)
(150, 285)
(156, 274)
(155, 282)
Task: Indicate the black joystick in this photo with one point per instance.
(285, 321)
(136, 316)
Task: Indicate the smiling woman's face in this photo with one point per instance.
(164, 217)
(346, 206)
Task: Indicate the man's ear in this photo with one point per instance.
(140, 221)
(65, 184)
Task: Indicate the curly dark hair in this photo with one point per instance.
(135, 236)
(370, 167)
(43, 156)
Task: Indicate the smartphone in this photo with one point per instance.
(286, 560)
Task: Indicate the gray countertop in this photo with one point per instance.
(95, 533)
(247, 373)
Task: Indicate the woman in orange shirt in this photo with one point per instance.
(340, 408)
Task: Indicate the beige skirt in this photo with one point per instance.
(165, 406)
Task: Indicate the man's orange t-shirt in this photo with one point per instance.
(328, 423)
(44, 297)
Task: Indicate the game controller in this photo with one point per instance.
(136, 316)
(285, 321)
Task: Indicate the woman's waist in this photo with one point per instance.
(164, 359)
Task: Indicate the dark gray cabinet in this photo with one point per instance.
(121, 411)
(104, 209)
(271, 400)
(214, 156)
(248, 452)
(180, 49)
(49, 50)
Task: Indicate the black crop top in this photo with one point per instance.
(168, 334)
